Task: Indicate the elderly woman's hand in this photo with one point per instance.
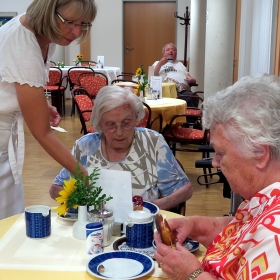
(177, 263)
(182, 228)
(54, 116)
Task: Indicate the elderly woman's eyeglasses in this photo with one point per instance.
(112, 127)
(71, 25)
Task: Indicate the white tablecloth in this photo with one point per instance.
(59, 252)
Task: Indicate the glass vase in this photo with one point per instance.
(142, 95)
(79, 227)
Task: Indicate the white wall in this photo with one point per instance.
(18, 6)
(107, 32)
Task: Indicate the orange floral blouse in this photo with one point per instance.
(249, 247)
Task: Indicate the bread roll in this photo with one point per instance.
(166, 234)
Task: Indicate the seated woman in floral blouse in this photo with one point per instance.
(119, 145)
(245, 132)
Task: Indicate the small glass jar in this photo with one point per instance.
(148, 92)
(105, 216)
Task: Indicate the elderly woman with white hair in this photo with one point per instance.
(118, 144)
(244, 121)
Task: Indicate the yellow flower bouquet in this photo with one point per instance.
(79, 58)
(81, 190)
(142, 80)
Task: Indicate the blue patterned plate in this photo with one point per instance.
(148, 206)
(120, 265)
(189, 243)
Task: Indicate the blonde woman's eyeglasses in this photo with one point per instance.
(71, 24)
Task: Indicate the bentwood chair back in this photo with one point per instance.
(84, 103)
(146, 121)
(75, 72)
(56, 86)
(191, 138)
(194, 109)
(93, 82)
(123, 82)
(73, 76)
(126, 76)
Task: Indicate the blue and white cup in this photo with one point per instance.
(139, 229)
(38, 221)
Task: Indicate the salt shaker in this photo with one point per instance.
(105, 216)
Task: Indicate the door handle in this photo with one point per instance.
(127, 48)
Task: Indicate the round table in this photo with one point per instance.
(167, 108)
(169, 90)
(32, 274)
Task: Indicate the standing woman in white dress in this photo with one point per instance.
(26, 45)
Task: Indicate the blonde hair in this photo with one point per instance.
(41, 15)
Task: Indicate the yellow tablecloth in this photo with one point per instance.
(169, 90)
(29, 274)
(167, 108)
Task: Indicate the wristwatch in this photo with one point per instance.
(194, 275)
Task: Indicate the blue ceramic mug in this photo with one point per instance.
(38, 221)
(139, 229)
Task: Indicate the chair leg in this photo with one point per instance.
(73, 108)
(205, 178)
(174, 149)
(56, 100)
(59, 101)
(63, 102)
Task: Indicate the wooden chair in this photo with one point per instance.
(84, 103)
(189, 138)
(73, 76)
(56, 86)
(145, 122)
(92, 82)
(126, 76)
(194, 110)
(123, 80)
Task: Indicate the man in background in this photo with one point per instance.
(172, 70)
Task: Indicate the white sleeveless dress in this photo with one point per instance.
(20, 62)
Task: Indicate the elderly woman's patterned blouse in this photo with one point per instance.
(249, 247)
(154, 170)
